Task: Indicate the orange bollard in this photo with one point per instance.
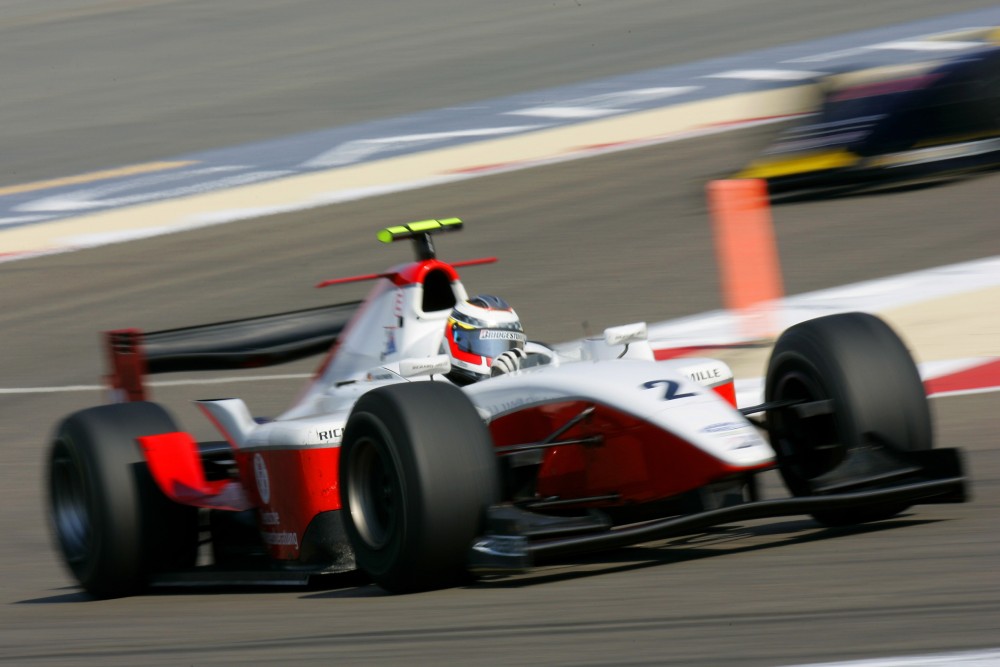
(746, 251)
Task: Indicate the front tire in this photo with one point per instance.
(857, 361)
(113, 525)
(417, 472)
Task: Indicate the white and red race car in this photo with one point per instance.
(384, 466)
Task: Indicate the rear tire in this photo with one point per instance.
(860, 363)
(417, 472)
(113, 525)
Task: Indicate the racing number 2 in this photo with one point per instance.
(670, 389)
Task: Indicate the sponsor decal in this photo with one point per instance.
(671, 389)
(334, 434)
(263, 481)
(518, 402)
(397, 304)
(417, 368)
(722, 427)
(270, 518)
(744, 442)
(390, 342)
(505, 406)
(280, 539)
(494, 334)
(705, 374)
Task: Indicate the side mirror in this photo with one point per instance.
(626, 341)
(625, 334)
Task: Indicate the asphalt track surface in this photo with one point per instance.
(582, 245)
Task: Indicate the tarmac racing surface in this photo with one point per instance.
(582, 245)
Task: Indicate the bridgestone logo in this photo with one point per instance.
(493, 334)
(280, 539)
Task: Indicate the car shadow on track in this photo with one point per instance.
(72, 595)
(723, 541)
(353, 584)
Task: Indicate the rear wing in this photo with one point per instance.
(248, 343)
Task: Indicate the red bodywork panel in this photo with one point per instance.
(727, 391)
(175, 464)
(290, 486)
(637, 461)
(298, 485)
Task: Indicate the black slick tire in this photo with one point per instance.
(857, 361)
(417, 472)
(112, 524)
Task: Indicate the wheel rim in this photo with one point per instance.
(810, 446)
(70, 511)
(372, 494)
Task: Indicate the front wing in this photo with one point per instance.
(516, 539)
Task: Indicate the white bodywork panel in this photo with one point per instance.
(655, 391)
(391, 337)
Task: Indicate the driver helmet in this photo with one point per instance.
(478, 331)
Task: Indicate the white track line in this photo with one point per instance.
(765, 75)
(748, 390)
(158, 383)
(722, 327)
(987, 658)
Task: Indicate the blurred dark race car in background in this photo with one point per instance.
(890, 126)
